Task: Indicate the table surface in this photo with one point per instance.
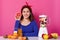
(29, 38)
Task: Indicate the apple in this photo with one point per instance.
(17, 17)
(18, 14)
(5, 36)
(9, 36)
(50, 36)
(14, 37)
(22, 38)
(45, 36)
(55, 35)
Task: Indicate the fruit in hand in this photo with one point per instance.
(17, 16)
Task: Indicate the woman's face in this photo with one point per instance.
(26, 13)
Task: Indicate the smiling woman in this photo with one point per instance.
(26, 23)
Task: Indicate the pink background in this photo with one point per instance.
(9, 8)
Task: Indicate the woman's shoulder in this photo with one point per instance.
(33, 21)
(17, 21)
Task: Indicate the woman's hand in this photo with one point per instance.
(15, 33)
(13, 36)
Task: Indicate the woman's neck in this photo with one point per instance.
(26, 19)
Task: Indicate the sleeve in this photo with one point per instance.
(35, 28)
(16, 25)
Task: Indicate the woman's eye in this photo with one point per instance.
(23, 11)
(28, 11)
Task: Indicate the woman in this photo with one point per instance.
(26, 23)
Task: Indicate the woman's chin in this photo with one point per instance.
(26, 17)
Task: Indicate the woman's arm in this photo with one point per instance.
(16, 26)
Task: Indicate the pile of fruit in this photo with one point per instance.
(17, 35)
(11, 36)
(52, 35)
